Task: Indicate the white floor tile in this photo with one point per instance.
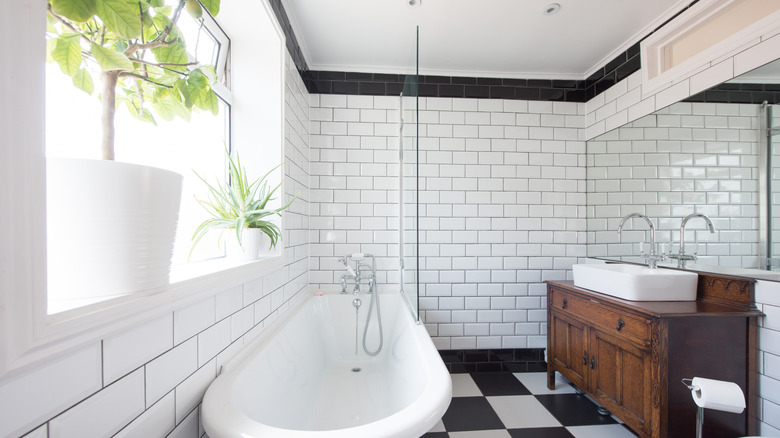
(522, 411)
(602, 431)
(463, 386)
(537, 383)
(498, 433)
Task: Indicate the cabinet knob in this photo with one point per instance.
(565, 301)
(593, 361)
(620, 324)
(585, 359)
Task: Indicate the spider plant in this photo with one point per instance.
(239, 204)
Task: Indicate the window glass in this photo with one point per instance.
(73, 129)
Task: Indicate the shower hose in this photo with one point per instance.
(374, 297)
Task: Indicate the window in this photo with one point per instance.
(73, 129)
(27, 332)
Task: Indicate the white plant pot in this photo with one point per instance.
(110, 227)
(254, 244)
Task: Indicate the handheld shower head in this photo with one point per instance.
(344, 262)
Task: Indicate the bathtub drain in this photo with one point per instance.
(356, 370)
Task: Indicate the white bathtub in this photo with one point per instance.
(297, 380)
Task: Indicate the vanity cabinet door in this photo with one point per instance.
(567, 342)
(620, 378)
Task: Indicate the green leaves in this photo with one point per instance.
(123, 17)
(139, 39)
(109, 59)
(170, 106)
(172, 54)
(66, 51)
(211, 5)
(83, 81)
(237, 203)
(76, 10)
(208, 101)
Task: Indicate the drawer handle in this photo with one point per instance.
(585, 359)
(620, 325)
(564, 303)
(593, 361)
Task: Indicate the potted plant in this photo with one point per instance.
(242, 206)
(119, 239)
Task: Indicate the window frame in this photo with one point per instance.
(27, 334)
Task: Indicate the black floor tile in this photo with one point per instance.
(573, 410)
(436, 435)
(470, 413)
(541, 432)
(501, 383)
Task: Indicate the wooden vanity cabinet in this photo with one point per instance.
(630, 356)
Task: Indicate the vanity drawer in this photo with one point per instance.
(605, 318)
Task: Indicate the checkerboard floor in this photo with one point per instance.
(511, 405)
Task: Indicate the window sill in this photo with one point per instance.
(78, 327)
(186, 281)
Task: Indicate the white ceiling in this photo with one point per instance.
(478, 38)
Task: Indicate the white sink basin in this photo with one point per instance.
(637, 283)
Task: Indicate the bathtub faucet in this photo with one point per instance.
(356, 274)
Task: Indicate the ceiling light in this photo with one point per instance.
(414, 3)
(550, 9)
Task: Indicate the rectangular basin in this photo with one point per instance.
(637, 283)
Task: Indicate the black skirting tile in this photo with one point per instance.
(489, 367)
(573, 410)
(471, 413)
(540, 432)
(499, 383)
(457, 368)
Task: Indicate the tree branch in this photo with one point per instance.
(162, 64)
(125, 74)
(67, 24)
(161, 39)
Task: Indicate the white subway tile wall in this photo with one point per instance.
(149, 380)
(502, 207)
(768, 301)
(686, 158)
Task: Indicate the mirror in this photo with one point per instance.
(700, 156)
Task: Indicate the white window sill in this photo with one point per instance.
(189, 283)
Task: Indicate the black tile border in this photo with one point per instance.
(291, 40)
(379, 84)
(739, 93)
(516, 360)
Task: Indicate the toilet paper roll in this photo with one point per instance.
(718, 395)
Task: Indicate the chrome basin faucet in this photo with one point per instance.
(653, 258)
(682, 257)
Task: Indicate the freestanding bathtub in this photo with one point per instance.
(302, 378)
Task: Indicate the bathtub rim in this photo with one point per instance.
(437, 392)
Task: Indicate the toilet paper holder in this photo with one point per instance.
(696, 393)
(689, 383)
(699, 410)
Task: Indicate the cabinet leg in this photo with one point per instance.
(550, 377)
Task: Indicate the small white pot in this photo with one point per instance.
(254, 244)
(110, 227)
